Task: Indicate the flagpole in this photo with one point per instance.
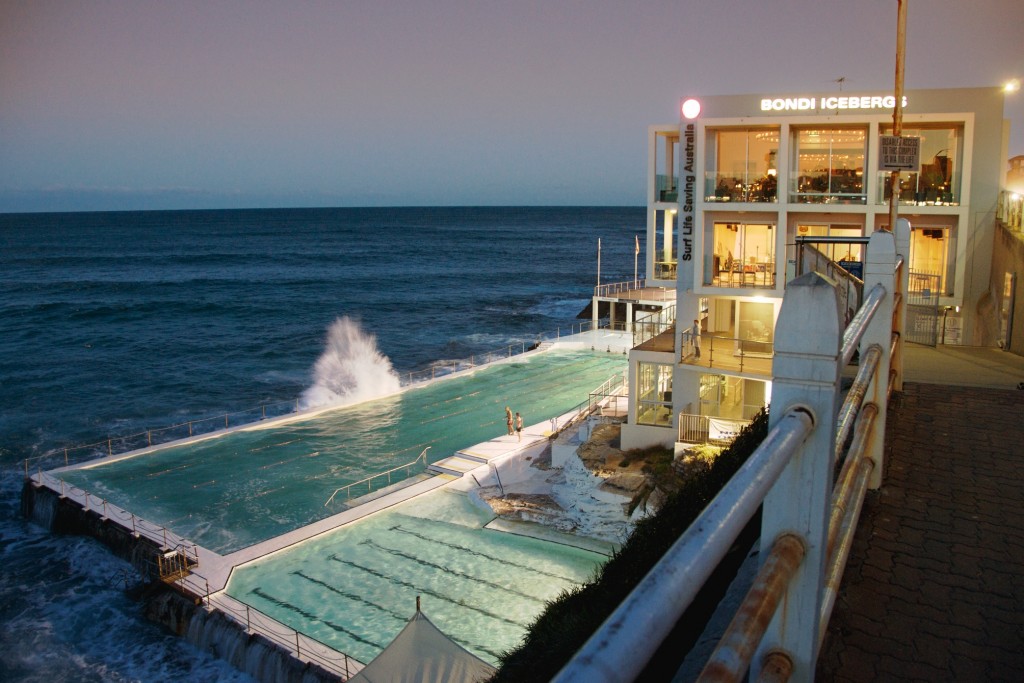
(636, 260)
(598, 261)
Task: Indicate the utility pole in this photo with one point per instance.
(897, 113)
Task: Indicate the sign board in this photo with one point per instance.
(898, 153)
(854, 268)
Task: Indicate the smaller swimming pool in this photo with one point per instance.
(355, 588)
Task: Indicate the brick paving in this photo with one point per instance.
(934, 587)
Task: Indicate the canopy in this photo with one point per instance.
(421, 653)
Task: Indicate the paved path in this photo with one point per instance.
(934, 589)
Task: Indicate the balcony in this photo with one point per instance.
(729, 354)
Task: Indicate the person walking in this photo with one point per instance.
(519, 426)
(695, 335)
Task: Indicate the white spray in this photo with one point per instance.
(351, 368)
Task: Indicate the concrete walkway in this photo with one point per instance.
(934, 588)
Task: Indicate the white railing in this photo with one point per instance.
(369, 480)
(654, 324)
(808, 518)
(708, 429)
(125, 443)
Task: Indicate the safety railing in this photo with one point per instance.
(809, 515)
(615, 289)
(707, 429)
(300, 645)
(448, 367)
(728, 353)
(165, 539)
(368, 481)
(654, 324)
(124, 443)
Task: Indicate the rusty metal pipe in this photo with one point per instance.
(843, 488)
(855, 397)
(731, 658)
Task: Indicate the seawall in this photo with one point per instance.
(184, 615)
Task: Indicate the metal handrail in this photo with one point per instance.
(627, 639)
(687, 565)
(422, 456)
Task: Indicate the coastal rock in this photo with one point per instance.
(625, 483)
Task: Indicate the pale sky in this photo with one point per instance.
(230, 104)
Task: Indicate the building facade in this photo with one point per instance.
(757, 188)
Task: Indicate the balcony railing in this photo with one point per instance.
(654, 324)
(809, 514)
(708, 429)
(729, 353)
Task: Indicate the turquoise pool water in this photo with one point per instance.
(355, 588)
(244, 487)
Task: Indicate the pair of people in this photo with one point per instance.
(516, 423)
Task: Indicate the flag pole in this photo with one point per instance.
(636, 260)
(598, 261)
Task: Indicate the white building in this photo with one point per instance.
(731, 191)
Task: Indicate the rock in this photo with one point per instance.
(626, 483)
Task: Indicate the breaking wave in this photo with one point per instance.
(351, 368)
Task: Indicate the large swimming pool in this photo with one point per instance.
(234, 490)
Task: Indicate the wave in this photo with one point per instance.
(351, 368)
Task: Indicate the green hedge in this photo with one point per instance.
(567, 622)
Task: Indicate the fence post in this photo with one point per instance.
(806, 371)
(902, 283)
(879, 268)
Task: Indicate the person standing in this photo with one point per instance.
(508, 419)
(695, 335)
(519, 426)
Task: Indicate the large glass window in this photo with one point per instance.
(828, 165)
(732, 398)
(835, 252)
(654, 394)
(742, 165)
(743, 255)
(666, 155)
(937, 179)
(665, 244)
(931, 269)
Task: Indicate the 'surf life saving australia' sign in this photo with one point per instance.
(686, 216)
(830, 102)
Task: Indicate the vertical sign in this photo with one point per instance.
(686, 210)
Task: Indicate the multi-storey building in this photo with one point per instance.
(742, 194)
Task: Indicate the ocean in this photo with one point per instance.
(115, 323)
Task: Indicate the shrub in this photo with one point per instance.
(564, 626)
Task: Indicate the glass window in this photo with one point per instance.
(930, 265)
(664, 248)
(743, 255)
(828, 165)
(835, 252)
(742, 165)
(654, 394)
(666, 154)
(937, 179)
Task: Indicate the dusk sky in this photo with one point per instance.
(220, 104)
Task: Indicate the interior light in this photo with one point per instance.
(691, 109)
(1012, 85)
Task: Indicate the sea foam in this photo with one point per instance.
(351, 368)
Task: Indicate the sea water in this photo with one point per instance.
(115, 323)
